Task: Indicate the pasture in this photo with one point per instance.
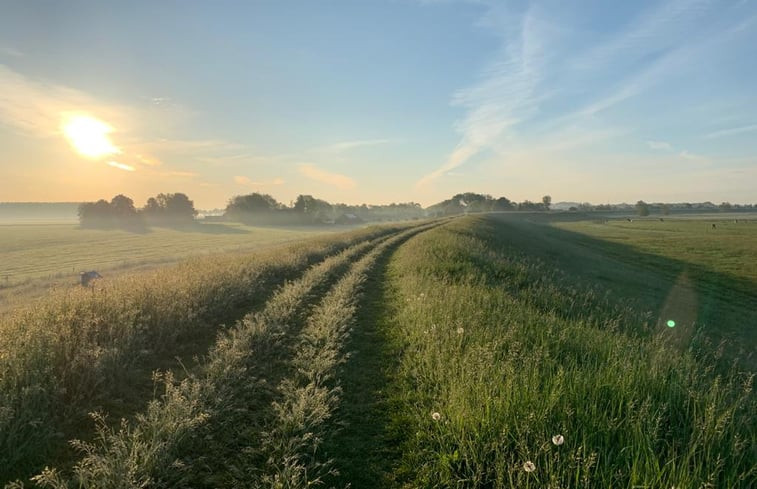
(496, 350)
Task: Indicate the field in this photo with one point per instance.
(495, 350)
(36, 257)
(33, 251)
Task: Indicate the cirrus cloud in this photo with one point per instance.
(337, 180)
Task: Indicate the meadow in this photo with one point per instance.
(493, 350)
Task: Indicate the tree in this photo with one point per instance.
(642, 208)
(502, 204)
(179, 207)
(312, 209)
(122, 207)
(170, 207)
(254, 207)
(665, 209)
(546, 202)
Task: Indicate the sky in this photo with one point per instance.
(379, 101)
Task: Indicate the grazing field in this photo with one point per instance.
(481, 351)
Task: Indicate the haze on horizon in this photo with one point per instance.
(378, 102)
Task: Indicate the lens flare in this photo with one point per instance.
(89, 136)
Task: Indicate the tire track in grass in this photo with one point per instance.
(309, 397)
(81, 351)
(183, 438)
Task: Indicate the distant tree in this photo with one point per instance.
(169, 207)
(502, 204)
(642, 208)
(95, 214)
(153, 209)
(255, 207)
(119, 211)
(123, 207)
(665, 209)
(313, 210)
(546, 201)
(179, 207)
(725, 206)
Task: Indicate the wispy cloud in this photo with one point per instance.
(337, 180)
(731, 131)
(535, 93)
(121, 166)
(242, 180)
(343, 146)
(660, 145)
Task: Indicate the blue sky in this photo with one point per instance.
(381, 101)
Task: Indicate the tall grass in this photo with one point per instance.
(195, 433)
(69, 353)
(496, 362)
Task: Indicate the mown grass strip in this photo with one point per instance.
(187, 435)
(72, 352)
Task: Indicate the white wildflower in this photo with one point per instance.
(436, 416)
(529, 466)
(460, 330)
(558, 440)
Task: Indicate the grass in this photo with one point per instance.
(489, 344)
(263, 381)
(82, 349)
(457, 353)
(60, 251)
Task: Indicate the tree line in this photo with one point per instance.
(120, 211)
(258, 208)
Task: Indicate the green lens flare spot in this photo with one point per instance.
(671, 323)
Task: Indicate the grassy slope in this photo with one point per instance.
(510, 351)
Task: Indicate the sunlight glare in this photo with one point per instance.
(89, 136)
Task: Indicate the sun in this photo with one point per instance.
(89, 136)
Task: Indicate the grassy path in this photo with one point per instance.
(87, 351)
(361, 440)
(234, 422)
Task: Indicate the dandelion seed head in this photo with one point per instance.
(529, 466)
(558, 440)
(436, 416)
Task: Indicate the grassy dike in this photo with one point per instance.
(499, 383)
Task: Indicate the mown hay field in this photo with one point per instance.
(480, 351)
(49, 251)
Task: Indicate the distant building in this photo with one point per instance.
(348, 219)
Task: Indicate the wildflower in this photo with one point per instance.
(558, 440)
(436, 416)
(460, 330)
(529, 466)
